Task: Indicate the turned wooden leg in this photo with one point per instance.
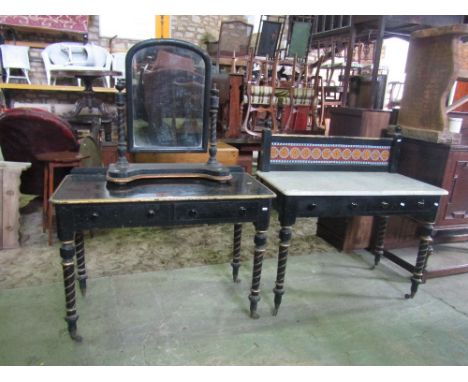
(379, 237)
(80, 261)
(260, 247)
(67, 252)
(285, 235)
(45, 196)
(235, 263)
(425, 246)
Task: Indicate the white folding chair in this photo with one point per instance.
(15, 57)
(118, 65)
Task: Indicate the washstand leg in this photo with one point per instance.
(379, 238)
(425, 247)
(285, 235)
(260, 247)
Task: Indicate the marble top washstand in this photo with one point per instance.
(346, 183)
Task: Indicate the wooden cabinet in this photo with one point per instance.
(445, 166)
(358, 122)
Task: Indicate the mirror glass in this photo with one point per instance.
(168, 100)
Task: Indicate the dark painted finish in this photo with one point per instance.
(422, 207)
(84, 201)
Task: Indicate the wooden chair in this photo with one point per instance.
(260, 95)
(301, 107)
(234, 41)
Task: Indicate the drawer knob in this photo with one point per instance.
(193, 213)
(94, 216)
(421, 204)
(151, 213)
(242, 211)
(311, 206)
(402, 204)
(353, 205)
(385, 205)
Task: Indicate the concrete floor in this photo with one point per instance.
(336, 311)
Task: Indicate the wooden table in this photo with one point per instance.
(303, 172)
(88, 100)
(53, 160)
(85, 201)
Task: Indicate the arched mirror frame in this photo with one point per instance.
(130, 101)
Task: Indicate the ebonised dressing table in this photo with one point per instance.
(169, 109)
(340, 177)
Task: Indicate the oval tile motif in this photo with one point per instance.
(295, 153)
(305, 153)
(375, 155)
(316, 153)
(326, 153)
(385, 155)
(274, 153)
(284, 152)
(356, 154)
(366, 154)
(336, 154)
(346, 154)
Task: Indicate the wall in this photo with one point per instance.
(194, 28)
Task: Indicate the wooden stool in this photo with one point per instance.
(53, 160)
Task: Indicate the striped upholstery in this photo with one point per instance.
(261, 95)
(302, 96)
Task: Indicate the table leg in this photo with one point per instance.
(49, 205)
(425, 246)
(67, 252)
(285, 235)
(379, 237)
(235, 263)
(80, 261)
(45, 196)
(260, 247)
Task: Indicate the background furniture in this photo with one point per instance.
(260, 94)
(269, 35)
(300, 30)
(118, 65)
(358, 122)
(226, 154)
(27, 132)
(15, 58)
(234, 41)
(64, 56)
(337, 176)
(52, 161)
(231, 91)
(10, 173)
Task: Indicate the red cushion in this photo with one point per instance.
(26, 132)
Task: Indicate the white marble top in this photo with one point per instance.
(341, 183)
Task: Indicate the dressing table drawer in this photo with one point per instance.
(234, 210)
(115, 215)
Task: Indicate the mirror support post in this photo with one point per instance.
(122, 145)
(214, 106)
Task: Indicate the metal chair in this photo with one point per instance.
(16, 58)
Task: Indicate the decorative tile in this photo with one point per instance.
(329, 154)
